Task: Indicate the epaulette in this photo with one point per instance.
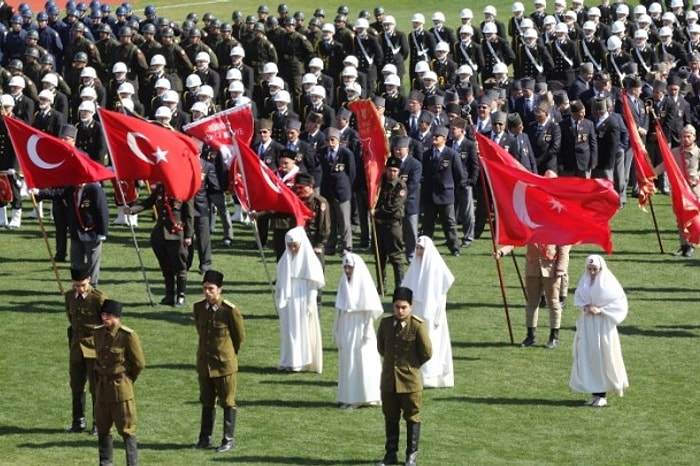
(98, 292)
(126, 329)
(417, 318)
(99, 327)
(228, 303)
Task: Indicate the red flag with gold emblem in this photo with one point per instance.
(374, 146)
(640, 157)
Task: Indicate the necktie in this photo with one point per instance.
(436, 155)
(575, 127)
(529, 105)
(540, 128)
(480, 126)
(331, 156)
(261, 150)
(414, 125)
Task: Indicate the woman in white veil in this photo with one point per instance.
(598, 367)
(299, 277)
(357, 306)
(430, 279)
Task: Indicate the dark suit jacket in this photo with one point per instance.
(578, 150)
(546, 145)
(441, 177)
(270, 155)
(88, 216)
(608, 134)
(470, 160)
(411, 172)
(338, 175)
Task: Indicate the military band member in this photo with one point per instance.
(221, 332)
(404, 345)
(532, 59)
(421, 44)
(90, 138)
(565, 55)
(394, 45)
(119, 362)
(170, 239)
(496, 50)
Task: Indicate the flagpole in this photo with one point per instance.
(133, 233)
(656, 227)
(40, 217)
(247, 195)
(487, 204)
(520, 277)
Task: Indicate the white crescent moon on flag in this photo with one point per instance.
(520, 205)
(131, 142)
(34, 156)
(272, 185)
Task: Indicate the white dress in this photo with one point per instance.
(430, 279)
(359, 365)
(598, 366)
(299, 277)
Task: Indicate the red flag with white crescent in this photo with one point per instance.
(47, 161)
(644, 172)
(533, 209)
(374, 145)
(147, 151)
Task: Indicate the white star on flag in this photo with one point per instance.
(556, 205)
(160, 154)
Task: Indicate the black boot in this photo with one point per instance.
(132, 452)
(229, 427)
(181, 289)
(398, 275)
(412, 435)
(530, 339)
(105, 447)
(169, 298)
(78, 410)
(93, 430)
(391, 448)
(206, 429)
(553, 338)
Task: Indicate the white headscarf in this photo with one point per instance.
(429, 278)
(359, 292)
(602, 290)
(302, 266)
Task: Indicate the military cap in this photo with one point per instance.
(260, 27)
(451, 95)
(435, 100)
(398, 130)
(418, 96)
(659, 85)
(498, 117)
(540, 88)
(441, 131)
(599, 105)
(343, 113)
(112, 307)
(68, 131)
(378, 11)
(319, 12)
(288, 21)
(426, 117)
(485, 100)
(630, 68)
(631, 82)
(400, 142)
(304, 179)
(213, 277)
(560, 97)
(79, 274)
(293, 124)
(675, 80)
(403, 293)
(315, 118)
(602, 77)
(393, 162)
(250, 19)
(263, 9)
(453, 108)
(287, 154)
(527, 83)
(379, 101)
(265, 124)
(514, 120)
(315, 22)
(544, 107)
(282, 8)
(587, 68)
(332, 133)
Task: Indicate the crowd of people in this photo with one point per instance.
(547, 83)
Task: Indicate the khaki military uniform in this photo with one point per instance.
(318, 227)
(388, 216)
(221, 332)
(119, 362)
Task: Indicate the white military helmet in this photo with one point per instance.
(200, 107)
(50, 78)
(237, 51)
(530, 34)
(549, 19)
(389, 68)
(593, 12)
(276, 82)
(490, 10)
(361, 23)
(7, 100)
(430, 76)
(466, 13)
(206, 90)
(309, 78)
(690, 15)
(120, 67)
(171, 97)
(270, 67)
(438, 16)
(665, 31)
(87, 106)
(500, 68)
(442, 47)
(589, 26)
(283, 96)
(202, 56)
(46, 94)
(614, 43)
(388, 19)
(233, 74)
(517, 7)
(465, 69)
(351, 60)
(328, 27)
(640, 10)
(561, 28)
(236, 86)
(392, 80)
(126, 88)
(164, 112)
(541, 3)
(526, 23)
(668, 16)
(418, 18)
(421, 67)
(193, 80)
(157, 59)
(316, 63)
(318, 91)
(617, 27)
(622, 9)
(466, 29)
(354, 87)
(641, 34)
(88, 72)
(88, 92)
(644, 19)
(654, 8)
(489, 28)
(163, 83)
(349, 71)
(676, 4)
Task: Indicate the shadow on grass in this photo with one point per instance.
(463, 358)
(180, 316)
(288, 460)
(296, 382)
(481, 344)
(290, 404)
(513, 401)
(87, 442)
(260, 316)
(269, 370)
(163, 446)
(173, 366)
(636, 331)
(685, 327)
(15, 430)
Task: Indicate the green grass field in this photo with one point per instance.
(509, 405)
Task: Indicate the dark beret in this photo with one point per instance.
(403, 293)
(214, 277)
(110, 306)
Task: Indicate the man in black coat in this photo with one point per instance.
(410, 172)
(579, 145)
(608, 134)
(545, 137)
(464, 202)
(442, 176)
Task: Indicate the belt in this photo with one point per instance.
(113, 377)
(382, 221)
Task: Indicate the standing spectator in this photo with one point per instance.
(404, 344)
(358, 305)
(464, 197)
(221, 332)
(410, 173)
(579, 144)
(598, 367)
(299, 278)
(430, 279)
(119, 363)
(83, 304)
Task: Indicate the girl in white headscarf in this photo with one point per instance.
(358, 305)
(430, 279)
(299, 277)
(598, 366)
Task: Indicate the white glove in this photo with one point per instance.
(101, 238)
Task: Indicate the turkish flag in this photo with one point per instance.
(685, 206)
(564, 211)
(49, 162)
(147, 151)
(374, 146)
(224, 130)
(253, 180)
(643, 169)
